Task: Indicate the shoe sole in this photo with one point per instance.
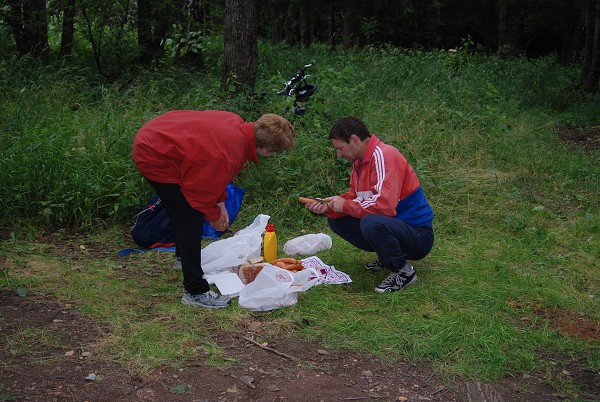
(414, 280)
(186, 303)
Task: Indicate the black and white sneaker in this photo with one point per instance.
(208, 299)
(374, 265)
(398, 280)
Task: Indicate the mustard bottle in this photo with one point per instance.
(270, 243)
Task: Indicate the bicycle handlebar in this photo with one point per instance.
(299, 76)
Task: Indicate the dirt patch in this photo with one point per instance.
(54, 366)
(570, 324)
(586, 137)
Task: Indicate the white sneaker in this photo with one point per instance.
(208, 299)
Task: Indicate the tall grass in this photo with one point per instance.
(517, 213)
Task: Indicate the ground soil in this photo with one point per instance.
(287, 369)
(586, 137)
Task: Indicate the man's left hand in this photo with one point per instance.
(336, 203)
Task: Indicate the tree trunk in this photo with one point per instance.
(241, 47)
(144, 31)
(590, 63)
(30, 27)
(93, 42)
(351, 24)
(509, 24)
(572, 38)
(66, 38)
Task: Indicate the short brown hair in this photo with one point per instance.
(344, 128)
(274, 133)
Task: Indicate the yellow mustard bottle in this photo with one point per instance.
(270, 243)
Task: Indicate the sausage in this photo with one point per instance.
(304, 200)
(294, 267)
(287, 260)
(287, 263)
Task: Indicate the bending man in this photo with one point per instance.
(190, 157)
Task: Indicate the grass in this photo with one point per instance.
(517, 213)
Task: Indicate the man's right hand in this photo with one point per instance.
(317, 207)
(220, 224)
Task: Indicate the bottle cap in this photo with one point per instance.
(270, 227)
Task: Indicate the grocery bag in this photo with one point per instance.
(275, 287)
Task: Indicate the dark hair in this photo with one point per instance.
(344, 128)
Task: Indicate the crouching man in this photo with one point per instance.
(385, 210)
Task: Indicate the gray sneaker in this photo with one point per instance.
(208, 299)
(398, 280)
(374, 265)
(177, 264)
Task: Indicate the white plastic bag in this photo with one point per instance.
(308, 244)
(275, 287)
(236, 250)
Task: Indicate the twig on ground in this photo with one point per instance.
(252, 341)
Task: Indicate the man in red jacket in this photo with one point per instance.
(385, 209)
(190, 157)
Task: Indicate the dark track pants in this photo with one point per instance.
(393, 240)
(186, 223)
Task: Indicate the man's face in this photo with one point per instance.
(349, 151)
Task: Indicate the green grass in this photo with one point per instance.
(517, 212)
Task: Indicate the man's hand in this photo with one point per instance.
(224, 213)
(322, 207)
(336, 203)
(220, 224)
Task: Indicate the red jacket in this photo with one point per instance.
(384, 183)
(202, 151)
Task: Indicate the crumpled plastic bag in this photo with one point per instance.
(236, 250)
(308, 244)
(275, 287)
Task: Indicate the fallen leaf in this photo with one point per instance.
(70, 353)
(248, 380)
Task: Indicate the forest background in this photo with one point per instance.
(475, 94)
(111, 44)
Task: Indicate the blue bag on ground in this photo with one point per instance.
(152, 226)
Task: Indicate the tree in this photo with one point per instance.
(590, 63)
(66, 38)
(241, 47)
(28, 22)
(510, 17)
(154, 18)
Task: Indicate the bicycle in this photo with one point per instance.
(296, 87)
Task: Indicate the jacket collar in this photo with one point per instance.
(373, 142)
(251, 141)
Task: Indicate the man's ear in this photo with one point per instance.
(264, 152)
